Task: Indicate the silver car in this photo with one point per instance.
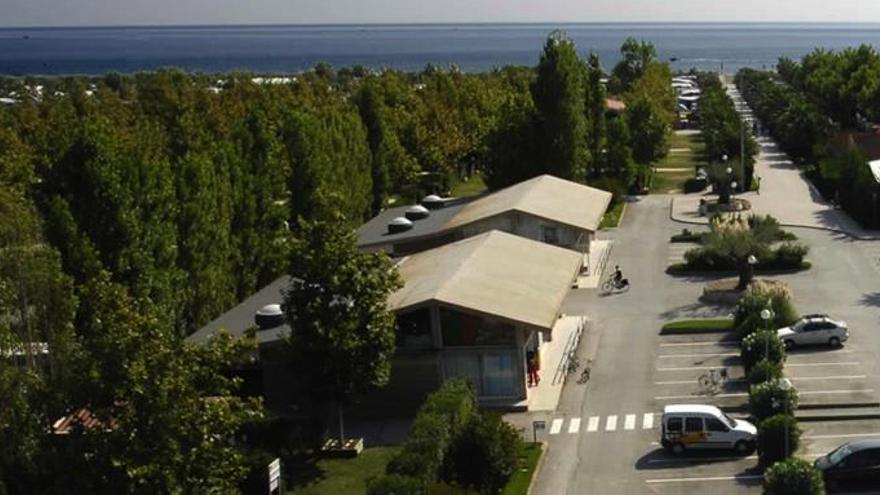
(814, 330)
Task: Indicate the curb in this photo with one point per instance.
(538, 467)
(837, 417)
(842, 405)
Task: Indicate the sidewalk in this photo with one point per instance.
(785, 193)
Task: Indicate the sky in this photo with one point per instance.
(18, 13)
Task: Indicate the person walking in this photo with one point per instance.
(532, 369)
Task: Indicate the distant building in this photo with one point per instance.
(544, 208)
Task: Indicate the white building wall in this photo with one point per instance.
(531, 227)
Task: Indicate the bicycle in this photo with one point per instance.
(585, 374)
(573, 364)
(611, 284)
(712, 381)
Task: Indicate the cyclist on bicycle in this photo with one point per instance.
(619, 281)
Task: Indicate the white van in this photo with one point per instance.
(693, 426)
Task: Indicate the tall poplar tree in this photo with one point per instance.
(559, 92)
(596, 113)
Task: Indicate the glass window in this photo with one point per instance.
(499, 374)
(839, 454)
(462, 329)
(414, 329)
(551, 235)
(693, 425)
(673, 424)
(713, 424)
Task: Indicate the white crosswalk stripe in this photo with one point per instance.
(556, 426)
(575, 425)
(629, 423)
(648, 421)
(593, 424)
(611, 423)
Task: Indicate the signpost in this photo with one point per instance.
(275, 476)
(537, 425)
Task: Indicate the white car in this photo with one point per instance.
(814, 329)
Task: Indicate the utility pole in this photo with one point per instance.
(742, 154)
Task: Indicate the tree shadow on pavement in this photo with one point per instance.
(872, 299)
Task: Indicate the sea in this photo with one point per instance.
(286, 49)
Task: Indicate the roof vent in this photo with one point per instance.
(416, 212)
(399, 224)
(269, 316)
(433, 202)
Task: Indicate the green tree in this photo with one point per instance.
(636, 57)
(648, 131)
(342, 332)
(166, 414)
(597, 137)
(558, 93)
(778, 439)
(484, 455)
(771, 398)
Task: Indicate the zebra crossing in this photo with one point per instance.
(611, 423)
(677, 250)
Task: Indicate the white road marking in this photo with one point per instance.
(593, 424)
(673, 460)
(745, 394)
(842, 435)
(688, 368)
(839, 377)
(794, 353)
(629, 423)
(648, 421)
(575, 425)
(698, 344)
(741, 477)
(556, 426)
(684, 382)
(847, 363)
(700, 355)
(611, 423)
(816, 392)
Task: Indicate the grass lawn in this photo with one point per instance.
(673, 180)
(318, 476)
(704, 325)
(473, 186)
(612, 216)
(519, 483)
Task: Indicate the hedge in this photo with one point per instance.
(699, 325)
(772, 435)
(793, 477)
(769, 398)
(765, 371)
(763, 344)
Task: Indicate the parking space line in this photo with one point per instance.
(575, 425)
(685, 382)
(688, 368)
(816, 392)
(842, 435)
(698, 344)
(611, 423)
(700, 355)
(695, 396)
(556, 426)
(593, 424)
(845, 363)
(629, 423)
(739, 477)
(648, 421)
(839, 377)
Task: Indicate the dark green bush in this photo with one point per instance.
(763, 344)
(790, 255)
(765, 371)
(772, 435)
(770, 398)
(395, 484)
(439, 420)
(687, 236)
(793, 477)
(693, 185)
(613, 185)
(484, 456)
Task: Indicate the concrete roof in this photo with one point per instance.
(240, 318)
(495, 273)
(544, 196)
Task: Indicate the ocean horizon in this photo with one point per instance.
(472, 47)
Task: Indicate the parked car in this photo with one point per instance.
(814, 329)
(693, 426)
(853, 462)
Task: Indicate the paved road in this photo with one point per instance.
(604, 441)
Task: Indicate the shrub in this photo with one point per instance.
(760, 295)
(790, 255)
(765, 371)
(694, 184)
(395, 484)
(687, 236)
(763, 344)
(439, 420)
(772, 435)
(615, 186)
(793, 477)
(771, 398)
(484, 456)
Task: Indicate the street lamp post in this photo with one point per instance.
(746, 279)
(784, 385)
(766, 314)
